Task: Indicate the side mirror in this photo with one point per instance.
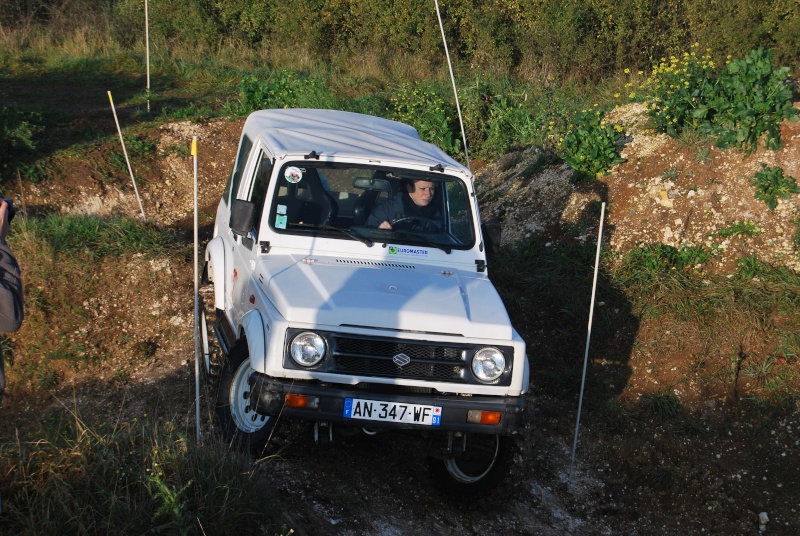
(492, 236)
(242, 216)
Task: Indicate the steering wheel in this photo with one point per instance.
(415, 223)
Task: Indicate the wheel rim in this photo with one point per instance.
(477, 461)
(242, 412)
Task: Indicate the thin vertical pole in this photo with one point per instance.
(196, 296)
(125, 152)
(453, 80)
(147, 51)
(588, 334)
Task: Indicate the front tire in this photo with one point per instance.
(482, 466)
(240, 423)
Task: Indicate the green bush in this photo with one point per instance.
(737, 106)
(752, 99)
(434, 117)
(17, 133)
(678, 91)
(771, 183)
(591, 146)
(282, 89)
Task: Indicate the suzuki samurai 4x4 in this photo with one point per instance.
(326, 313)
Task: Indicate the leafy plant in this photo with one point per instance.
(771, 183)
(591, 146)
(434, 117)
(678, 90)
(740, 228)
(17, 133)
(752, 99)
(647, 262)
(747, 99)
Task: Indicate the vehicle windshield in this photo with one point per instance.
(372, 205)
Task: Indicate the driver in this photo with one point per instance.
(413, 203)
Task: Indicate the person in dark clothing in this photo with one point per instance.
(415, 203)
(11, 310)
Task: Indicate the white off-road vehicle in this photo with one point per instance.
(323, 316)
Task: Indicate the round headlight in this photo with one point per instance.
(308, 349)
(488, 364)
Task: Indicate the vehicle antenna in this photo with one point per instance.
(453, 79)
(588, 334)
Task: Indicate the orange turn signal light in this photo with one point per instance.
(301, 401)
(476, 416)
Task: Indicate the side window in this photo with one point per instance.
(236, 177)
(258, 193)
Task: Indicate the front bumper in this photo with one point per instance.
(268, 395)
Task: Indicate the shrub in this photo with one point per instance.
(591, 146)
(17, 132)
(283, 89)
(752, 99)
(771, 183)
(435, 118)
(678, 91)
(737, 106)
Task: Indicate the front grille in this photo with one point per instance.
(373, 357)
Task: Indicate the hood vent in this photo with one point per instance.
(378, 264)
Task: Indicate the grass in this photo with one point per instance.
(79, 477)
(98, 237)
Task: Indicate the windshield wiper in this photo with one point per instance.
(421, 238)
(366, 241)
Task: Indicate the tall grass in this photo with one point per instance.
(128, 477)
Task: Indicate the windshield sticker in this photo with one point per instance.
(405, 250)
(293, 174)
(281, 209)
(280, 222)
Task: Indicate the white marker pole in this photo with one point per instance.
(452, 79)
(588, 334)
(196, 296)
(125, 152)
(147, 51)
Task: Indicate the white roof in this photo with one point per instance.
(343, 134)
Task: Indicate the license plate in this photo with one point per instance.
(376, 410)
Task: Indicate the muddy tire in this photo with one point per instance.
(482, 468)
(239, 423)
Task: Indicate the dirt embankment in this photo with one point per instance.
(621, 484)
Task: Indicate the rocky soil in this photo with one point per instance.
(620, 483)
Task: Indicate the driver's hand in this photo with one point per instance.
(385, 225)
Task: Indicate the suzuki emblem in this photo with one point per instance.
(401, 360)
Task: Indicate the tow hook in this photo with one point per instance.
(323, 433)
(456, 443)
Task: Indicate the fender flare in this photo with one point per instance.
(253, 328)
(215, 258)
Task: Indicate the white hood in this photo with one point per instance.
(386, 295)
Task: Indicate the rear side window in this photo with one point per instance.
(238, 169)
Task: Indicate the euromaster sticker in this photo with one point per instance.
(406, 250)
